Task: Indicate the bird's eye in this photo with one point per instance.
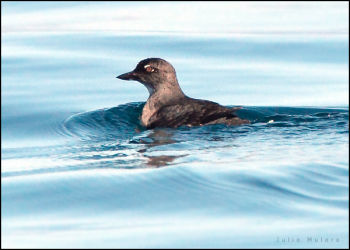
(149, 69)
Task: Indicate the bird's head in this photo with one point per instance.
(154, 73)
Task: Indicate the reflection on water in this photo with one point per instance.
(159, 137)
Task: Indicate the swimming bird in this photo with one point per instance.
(168, 106)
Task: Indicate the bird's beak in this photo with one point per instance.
(128, 76)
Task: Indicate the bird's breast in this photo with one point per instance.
(147, 112)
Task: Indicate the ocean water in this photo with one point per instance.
(78, 169)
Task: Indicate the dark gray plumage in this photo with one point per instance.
(168, 106)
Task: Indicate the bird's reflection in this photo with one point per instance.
(159, 137)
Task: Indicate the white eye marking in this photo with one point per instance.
(149, 68)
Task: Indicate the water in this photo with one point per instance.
(78, 170)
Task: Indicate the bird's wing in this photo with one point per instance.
(194, 112)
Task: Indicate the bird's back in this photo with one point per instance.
(194, 112)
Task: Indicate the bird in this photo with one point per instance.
(168, 106)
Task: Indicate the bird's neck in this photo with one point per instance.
(164, 95)
(158, 98)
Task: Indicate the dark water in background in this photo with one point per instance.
(79, 171)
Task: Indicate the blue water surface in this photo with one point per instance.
(78, 169)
